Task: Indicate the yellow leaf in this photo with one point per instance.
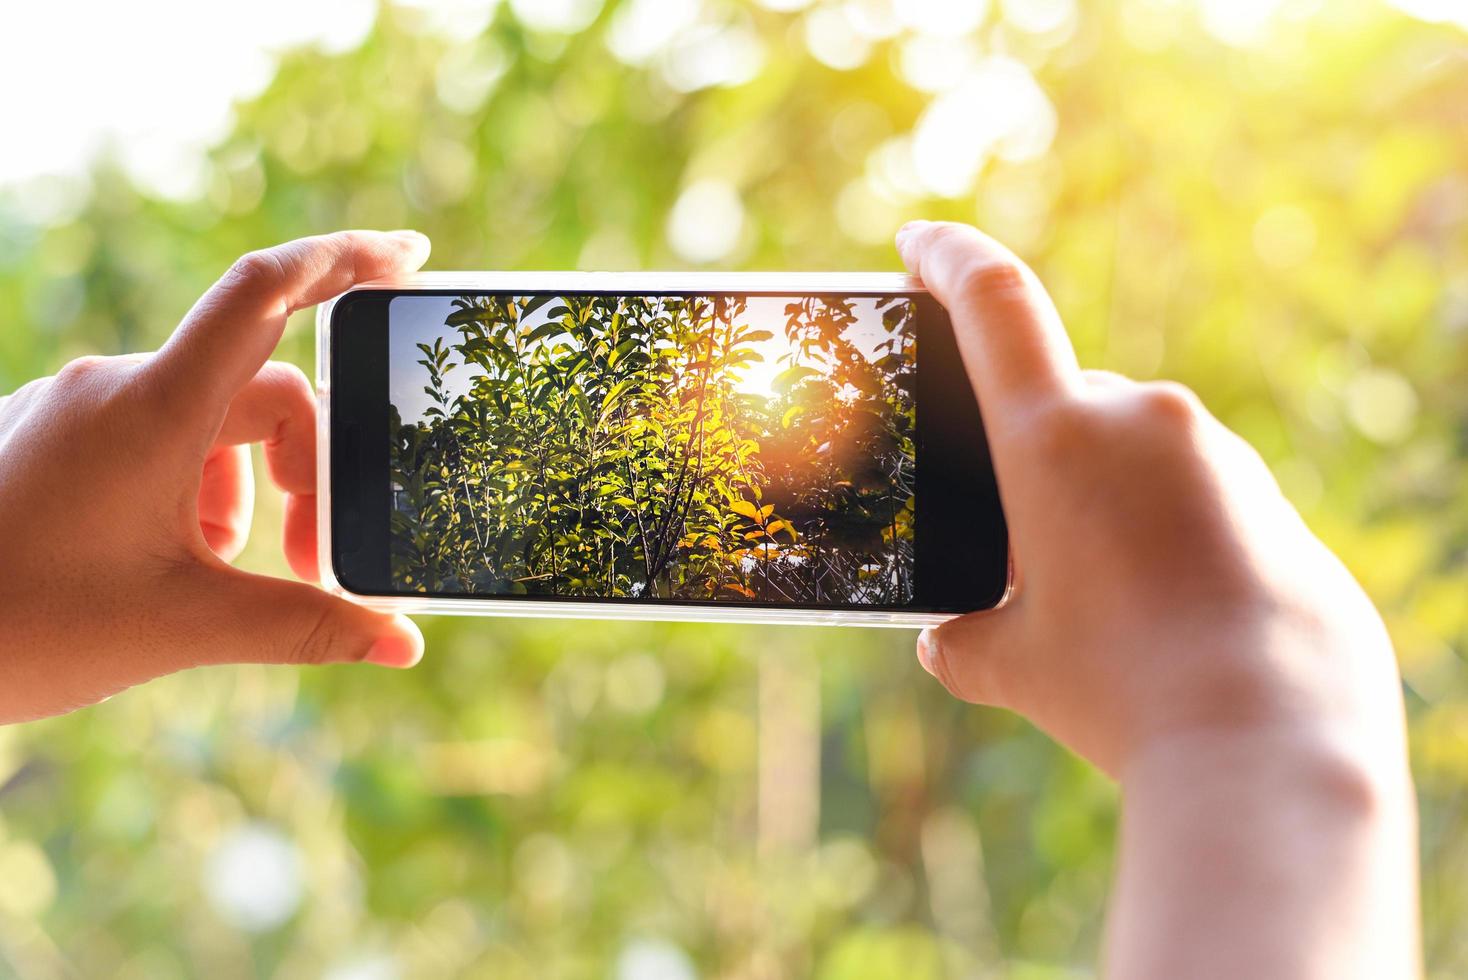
(775, 527)
(745, 509)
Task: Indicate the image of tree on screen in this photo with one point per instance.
(673, 447)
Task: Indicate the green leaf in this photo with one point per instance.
(463, 317)
(549, 329)
(534, 303)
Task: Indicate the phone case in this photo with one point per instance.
(571, 282)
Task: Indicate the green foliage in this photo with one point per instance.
(1281, 227)
(609, 450)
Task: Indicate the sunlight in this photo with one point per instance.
(1435, 11)
(999, 110)
(1238, 21)
(757, 377)
(768, 313)
(156, 124)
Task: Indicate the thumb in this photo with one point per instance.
(980, 657)
(258, 619)
(229, 334)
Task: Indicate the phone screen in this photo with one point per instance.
(710, 448)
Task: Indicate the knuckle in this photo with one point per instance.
(261, 268)
(91, 379)
(319, 642)
(82, 370)
(992, 275)
(291, 395)
(1169, 403)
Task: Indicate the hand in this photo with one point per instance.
(1175, 622)
(1165, 585)
(125, 490)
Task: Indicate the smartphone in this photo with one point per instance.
(791, 448)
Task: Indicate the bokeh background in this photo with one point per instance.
(1266, 199)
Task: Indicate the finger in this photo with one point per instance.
(1009, 334)
(227, 336)
(277, 408)
(227, 500)
(257, 619)
(299, 540)
(15, 404)
(980, 657)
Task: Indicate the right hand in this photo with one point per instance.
(1166, 588)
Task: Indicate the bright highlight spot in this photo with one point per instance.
(556, 16)
(253, 878)
(364, 967)
(930, 63)
(456, 20)
(695, 52)
(873, 18)
(170, 71)
(1238, 21)
(468, 74)
(643, 28)
(1382, 405)
(1039, 16)
(654, 959)
(943, 17)
(998, 110)
(834, 41)
(1436, 11)
(708, 55)
(706, 222)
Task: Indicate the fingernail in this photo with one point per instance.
(905, 235)
(394, 651)
(408, 234)
(926, 651)
(910, 229)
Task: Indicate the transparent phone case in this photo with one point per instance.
(573, 282)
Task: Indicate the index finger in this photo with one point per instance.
(1009, 334)
(232, 330)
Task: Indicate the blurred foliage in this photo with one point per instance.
(1282, 225)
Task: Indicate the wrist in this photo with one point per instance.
(1350, 771)
(1285, 851)
(1286, 687)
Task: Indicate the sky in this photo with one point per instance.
(414, 320)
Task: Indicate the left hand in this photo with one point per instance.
(125, 490)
